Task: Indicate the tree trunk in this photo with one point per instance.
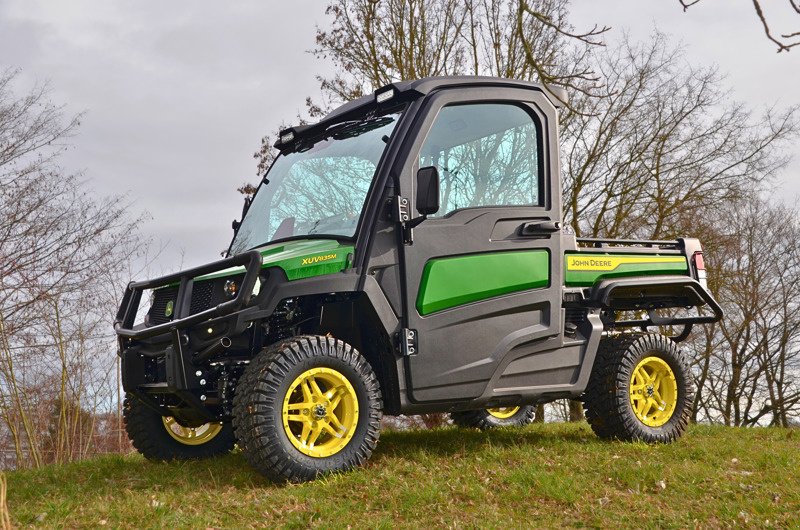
(538, 416)
(575, 410)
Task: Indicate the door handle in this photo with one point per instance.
(538, 228)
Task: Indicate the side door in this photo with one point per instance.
(480, 288)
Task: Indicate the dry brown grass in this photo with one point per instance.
(5, 519)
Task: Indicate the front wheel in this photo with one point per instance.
(165, 438)
(640, 389)
(494, 417)
(307, 406)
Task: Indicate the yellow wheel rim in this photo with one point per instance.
(653, 391)
(503, 413)
(320, 412)
(191, 435)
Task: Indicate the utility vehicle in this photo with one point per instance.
(407, 255)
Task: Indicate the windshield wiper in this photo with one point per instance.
(343, 130)
(351, 129)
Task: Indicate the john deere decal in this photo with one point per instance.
(609, 263)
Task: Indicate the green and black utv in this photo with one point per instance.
(407, 255)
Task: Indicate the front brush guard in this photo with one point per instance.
(179, 380)
(124, 325)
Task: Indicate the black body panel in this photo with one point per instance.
(460, 350)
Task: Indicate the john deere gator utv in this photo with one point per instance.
(405, 255)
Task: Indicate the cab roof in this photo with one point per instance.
(409, 90)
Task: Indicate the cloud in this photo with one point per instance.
(179, 93)
(177, 96)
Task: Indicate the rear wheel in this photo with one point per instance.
(494, 417)
(165, 438)
(307, 406)
(640, 389)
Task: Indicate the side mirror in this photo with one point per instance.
(428, 190)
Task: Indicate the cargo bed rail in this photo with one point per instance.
(591, 242)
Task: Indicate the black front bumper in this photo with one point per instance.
(123, 324)
(170, 341)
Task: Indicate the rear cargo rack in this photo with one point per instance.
(673, 244)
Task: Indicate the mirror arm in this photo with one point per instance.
(408, 228)
(415, 222)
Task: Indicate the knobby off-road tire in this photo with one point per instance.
(150, 434)
(608, 401)
(497, 417)
(275, 387)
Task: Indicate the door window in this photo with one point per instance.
(487, 155)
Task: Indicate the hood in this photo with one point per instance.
(301, 258)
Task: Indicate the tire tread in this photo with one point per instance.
(481, 419)
(606, 400)
(257, 397)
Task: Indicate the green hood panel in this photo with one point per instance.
(299, 259)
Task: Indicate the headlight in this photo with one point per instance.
(231, 288)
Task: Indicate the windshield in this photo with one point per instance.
(319, 189)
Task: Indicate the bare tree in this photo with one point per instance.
(748, 365)
(784, 41)
(663, 142)
(59, 246)
(372, 44)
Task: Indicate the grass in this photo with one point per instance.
(551, 475)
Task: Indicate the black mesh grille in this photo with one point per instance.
(576, 315)
(202, 294)
(158, 311)
(205, 294)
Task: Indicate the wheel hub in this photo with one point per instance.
(320, 412)
(653, 391)
(503, 413)
(191, 435)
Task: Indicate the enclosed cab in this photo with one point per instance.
(407, 254)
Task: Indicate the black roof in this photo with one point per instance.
(421, 87)
(425, 85)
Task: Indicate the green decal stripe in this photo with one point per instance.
(297, 269)
(299, 259)
(587, 278)
(450, 282)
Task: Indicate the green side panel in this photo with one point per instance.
(300, 259)
(629, 265)
(451, 282)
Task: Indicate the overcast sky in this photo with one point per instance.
(177, 94)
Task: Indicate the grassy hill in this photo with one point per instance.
(542, 475)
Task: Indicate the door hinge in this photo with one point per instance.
(401, 211)
(408, 341)
(402, 215)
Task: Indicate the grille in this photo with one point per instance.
(161, 297)
(575, 315)
(202, 294)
